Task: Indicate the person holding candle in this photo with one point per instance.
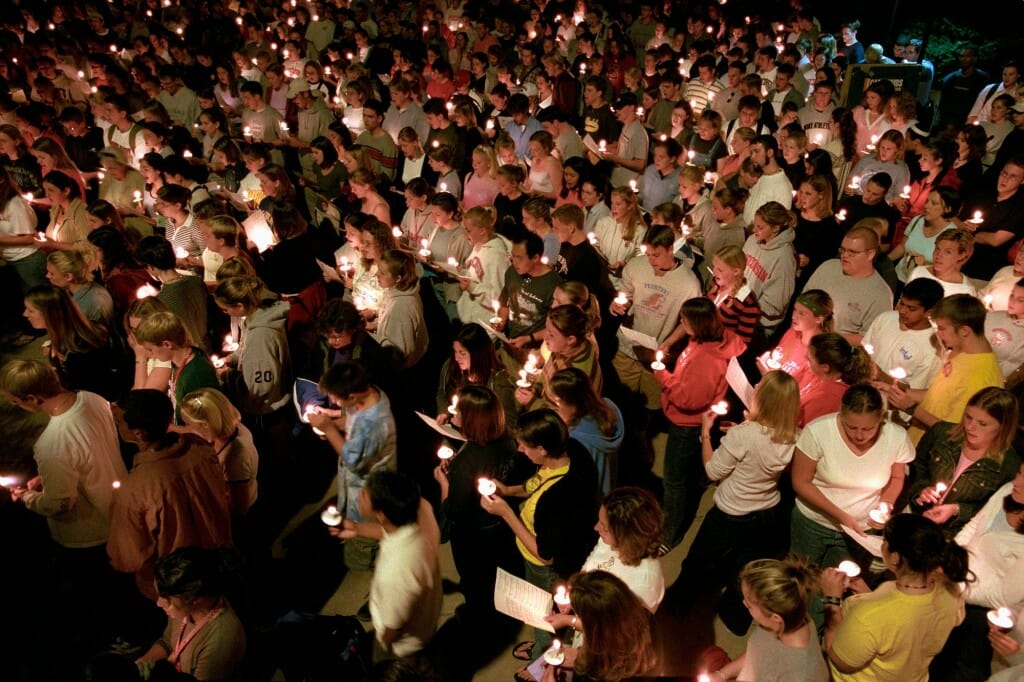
(833, 366)
(568, 342)
(70, 271)
(994, 538)
(696, 203)
(486, 265)
(968, 365)
(184, 235)
(935, 161)
(972, 458)
(896, 630)
(554, 526)
(480, 542)
(375, 239)
(817, 233)
(812, 315)
(660, 182)
(843, 466)
(887, 159)
(447, 240)
(689, 390)
(18, 237)
(918, 243)
(998, 209)
(784, 646)
(474, 362)
(184, 295)
(616, 626)
(362, 432)
(870, 114)
(400, 327)
(771, 263)
(164, 337)
(536, 218)
(620, 235)
(204, 637)
(995, 295)
(746, 521)
(69, 221)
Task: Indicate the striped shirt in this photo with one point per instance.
(739, 312)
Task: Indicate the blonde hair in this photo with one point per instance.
(72, 263)
(634, 218)
(781, 588)
(22, 378)
(245, 291)
(732, 256)
(211, 407)
(482, 217)
(963, 239)
(485, 152)
(225, 228)
(160, 327)
(778, 406)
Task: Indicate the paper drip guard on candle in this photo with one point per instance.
(621, 299)
(880, 514)
(486, 487)
(850, 568)
(562, 600)
(453, 408)
(721, 408)
(1001, 618)
(554, 655)
(658, 365)
(331, 516)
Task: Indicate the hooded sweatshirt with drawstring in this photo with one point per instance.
(771, 274)
(698, 380)
(263, 358)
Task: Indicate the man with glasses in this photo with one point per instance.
(1000, 228)
(181, 102)
(859, 294)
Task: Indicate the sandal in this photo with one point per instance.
(524, 651)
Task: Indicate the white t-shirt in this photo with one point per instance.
(79, 459)
(1006, 335)
(948, 288)
(852, 483)
(911, 349)
(646, 580)
(406, 589)
(747, 466)
(17, 220)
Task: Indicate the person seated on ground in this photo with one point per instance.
(203, 638)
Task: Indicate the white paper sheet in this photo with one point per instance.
(443, 429)
(872, 543)
(739, 383)
(639, 338)
(517, 598)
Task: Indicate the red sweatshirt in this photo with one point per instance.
(698, 380)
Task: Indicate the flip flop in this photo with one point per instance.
(523, 651)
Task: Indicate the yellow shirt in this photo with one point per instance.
(893, 636)
(955, 383)
(535, 487)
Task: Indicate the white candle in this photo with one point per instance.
(115, 485)
(137, 196)
(1001, 618)
(898, 373)
(658, 365)
(425, 250)
(445, 453)
(851, 569)
(230, 345)
(486, 487)
(592, 238)
(218, 363)
(522, 382)
(905, 194)
(181, 253)
(643, 249)
(632, 186)
(145, 291)
(562, 596)
(720, 408)
(331, 516)
(940, 488)
(308, 410)
(554, 655)
(621, 298)
(444, 186)
(453, 262)
(490, 124)
(976, 219)
(855, 182)
(396, 232)
(359, 302)
(9, 481)
(247, 131)
(881, 513)
(533, 364)
(841, 216)
(602, 146)
(186, 154)
(703, 677)
(453, 408)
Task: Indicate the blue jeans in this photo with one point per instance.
(544, 578)
(31, 270)
(683, 480)
(823, 546)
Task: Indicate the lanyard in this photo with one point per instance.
(184, 641)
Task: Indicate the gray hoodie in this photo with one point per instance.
(771, 274)
(264, 361)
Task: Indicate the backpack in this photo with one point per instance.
(133, 133)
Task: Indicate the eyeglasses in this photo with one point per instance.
(853, 252)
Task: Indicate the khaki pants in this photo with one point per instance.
(638, 378)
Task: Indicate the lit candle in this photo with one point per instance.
(331, 516)
(344, 265)
(720, 408)
(425, 250)
(230, 345)
(40, 236)
(703, 677)
(444, 186)
(554, 656)
(905, 194)
(940, 488)
(81, 75)
(445, 453)
(881, 513)
(639, 111)
(774, 361)
(987, 300)
(490, 124)
(689, 157)
(145, 291)
(238, 20)
(29, 197)
(9, 481)
(841, 216)
(186, 154)
(855, 183)
(850, 568)
(663, 137)
(181, 253)
(218, 363)
(602, 146)
(592, 238)
(621, 298)
(495, 306)
(899, 374)
(1001, 618)
(532, 364)
(562, 598)
(632, 186)
(309, 409)
(658, 365)
(522, 381)
(486, 487)
(359, 302)
(115, 485)
(137, 196)
(544, 260)
(976, 219)
(453, 408)
(247, 131)
(396, 232)
(643, 249)
(453, 262)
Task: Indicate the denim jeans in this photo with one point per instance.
(823, 546)
(683, 480)
(544, 578)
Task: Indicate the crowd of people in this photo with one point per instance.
(250, 232)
